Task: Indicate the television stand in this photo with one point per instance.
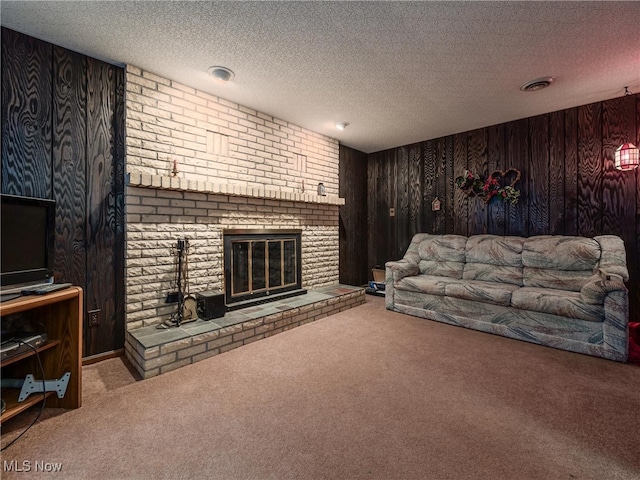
(59, 315)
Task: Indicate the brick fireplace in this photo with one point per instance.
(198, 165)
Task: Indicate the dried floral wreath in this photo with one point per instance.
(471, 184)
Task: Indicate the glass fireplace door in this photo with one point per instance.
(263, 266)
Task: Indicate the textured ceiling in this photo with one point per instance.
(397, 72)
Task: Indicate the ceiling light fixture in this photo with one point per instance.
(627, 155)
(221, 74)
(341, 125)
(537, 84)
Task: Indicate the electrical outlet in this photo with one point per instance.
(94, 318)
(392, 212)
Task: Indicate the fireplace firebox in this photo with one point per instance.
(261, 266)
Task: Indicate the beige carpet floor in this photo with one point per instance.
(364, 394)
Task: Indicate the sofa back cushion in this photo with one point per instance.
(562, 262)
(494, 258)
(442, 255)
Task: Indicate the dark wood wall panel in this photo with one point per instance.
(537, 177)
(414, 186)
(69, 169)
(384, 227)
(477, 163)
(569, 185)
(392, 200)
(353, 217)
(556, 202)
(402, 198)
(448, 200)
(571, 171)
(495, 161)
(460, 200)
(26, 115)
(428, 184)
(374, 248)
(589, 170)
(440, 186)
(63, 138)
(517, 156)
(618, 200)
(101, 222)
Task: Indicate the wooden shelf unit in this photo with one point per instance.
(59, 314)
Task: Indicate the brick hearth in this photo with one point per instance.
(154, 351)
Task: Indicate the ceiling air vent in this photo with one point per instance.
(537, 84)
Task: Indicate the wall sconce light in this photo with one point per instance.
(341, 125)
(627, 155)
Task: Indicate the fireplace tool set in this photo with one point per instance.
(186, 311)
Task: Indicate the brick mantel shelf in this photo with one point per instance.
(137, 179)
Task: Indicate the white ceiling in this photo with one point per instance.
(397, 72)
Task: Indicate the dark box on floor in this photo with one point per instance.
(210, 304)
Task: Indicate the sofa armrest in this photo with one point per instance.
(614, 258)
(394, 272)
(599, 285)
(615, 328)
(400, 269)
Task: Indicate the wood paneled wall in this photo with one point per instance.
(353, 217)
(569, 185)
(63, 138)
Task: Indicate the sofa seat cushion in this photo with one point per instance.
(556, 302)
(480, 291)
(493, 273)
(566, 280)
(431, 284)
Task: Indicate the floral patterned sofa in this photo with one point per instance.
(565, 292)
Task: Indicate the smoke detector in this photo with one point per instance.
(537, 84)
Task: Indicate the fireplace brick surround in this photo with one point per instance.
(197, 164)
(152, 231)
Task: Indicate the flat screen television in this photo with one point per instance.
(27, 240)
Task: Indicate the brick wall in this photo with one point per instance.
(216, 141)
